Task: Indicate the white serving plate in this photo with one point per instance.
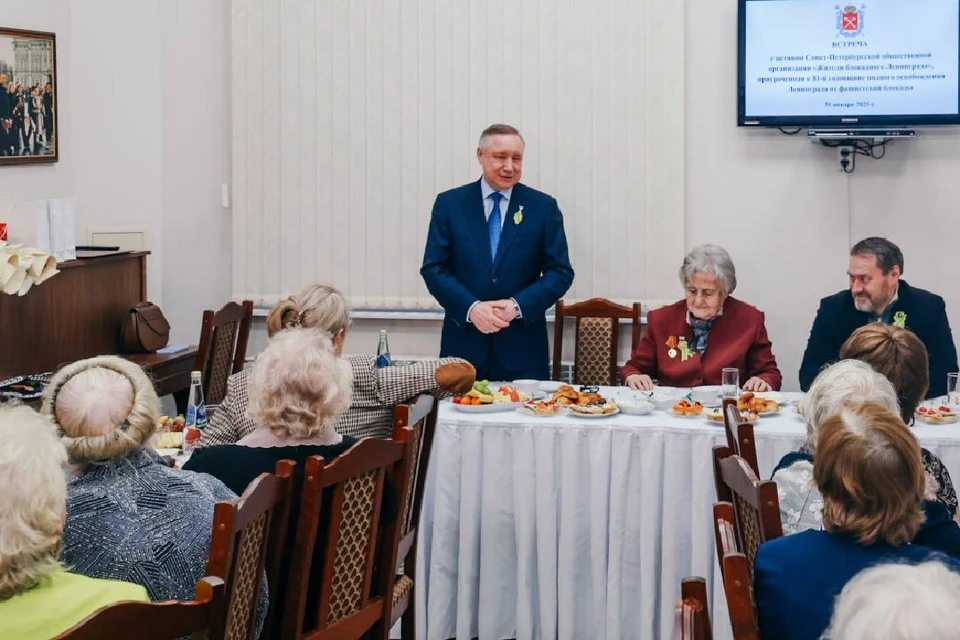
(574, 413)
(487, 408)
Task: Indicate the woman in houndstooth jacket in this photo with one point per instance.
(375, 391)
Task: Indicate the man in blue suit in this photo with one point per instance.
(877, 294)
(496, 259)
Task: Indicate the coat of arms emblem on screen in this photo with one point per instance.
(850, 20)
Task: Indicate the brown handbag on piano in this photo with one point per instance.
(144, 330)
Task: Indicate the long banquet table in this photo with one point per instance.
(573, 528)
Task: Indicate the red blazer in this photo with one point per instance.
(738, 339)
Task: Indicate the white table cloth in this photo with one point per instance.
(575, 528)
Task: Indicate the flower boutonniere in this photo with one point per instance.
(518, 216)
(900, 319)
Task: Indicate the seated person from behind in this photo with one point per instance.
(869, 473)
(674, 348)
(129, 515)
(899, 602)
(39, 598)
(899, 355)
(877, 294)
(801, 505)
(375, 391)
(298, 389)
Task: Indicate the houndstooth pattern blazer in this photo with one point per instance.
(375, 393)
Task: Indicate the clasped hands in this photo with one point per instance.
(493, 315)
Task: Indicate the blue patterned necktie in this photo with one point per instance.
(493, 224)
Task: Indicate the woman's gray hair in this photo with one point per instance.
(105, 407)
(33, 499)
(298, 385)
(894, 600)
(711, 260)
(846, 382)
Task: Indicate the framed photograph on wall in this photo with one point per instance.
(28, 97)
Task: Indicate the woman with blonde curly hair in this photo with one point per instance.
(129, 515)
(869, 472)
(375, 390)
(298, 389)
(38, 598)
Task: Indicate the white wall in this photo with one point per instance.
(143, 91)
(786, 212)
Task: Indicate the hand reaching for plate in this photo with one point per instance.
(756, 384)
(639, 382)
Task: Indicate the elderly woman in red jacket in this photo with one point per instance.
(689, 343)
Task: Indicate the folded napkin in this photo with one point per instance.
(22, 267)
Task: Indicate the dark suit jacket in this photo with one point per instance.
(532, 266)
(738, 339)
(837, 318)
(797, 578)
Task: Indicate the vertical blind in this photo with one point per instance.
(349, 116)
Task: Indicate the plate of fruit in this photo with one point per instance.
(169, 433)
(936, 414)
(484, 398)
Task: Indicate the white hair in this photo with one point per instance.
(711, 260)
(106, 407)
(895, 601)
(33, 500)
(847, 381)
(298, 385)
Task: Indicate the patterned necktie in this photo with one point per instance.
(493, 224)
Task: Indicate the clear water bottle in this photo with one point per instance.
(196, 419)
(383, 351)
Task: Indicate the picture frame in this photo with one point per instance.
(28, 98)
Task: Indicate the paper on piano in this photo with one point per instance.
(63, 233)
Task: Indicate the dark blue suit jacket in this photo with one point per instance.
(532, 266)
(837, 318)
(797, 578)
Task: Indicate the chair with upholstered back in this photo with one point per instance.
(692, 620)
(740, 434)
(223, 347)
(413, 424)
(248, 537)
(156, 620)
(756, 506)
(596, 341)
(737, 574)
(330, 591)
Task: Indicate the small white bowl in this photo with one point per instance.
(549, 386)
(639, 409)
(529, 387)
(707, 395)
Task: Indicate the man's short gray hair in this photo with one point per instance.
(498, 130)
(888, 254)
(847, 381)
(895, 600)
(710, 259)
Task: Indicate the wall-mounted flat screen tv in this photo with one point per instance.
(819, 63)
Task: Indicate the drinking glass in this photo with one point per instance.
(730, 382)
(953, 393)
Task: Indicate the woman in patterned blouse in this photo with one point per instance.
(844, 384)
(900, 356)
(129, 515)
(375, 391)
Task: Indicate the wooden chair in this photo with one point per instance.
(740, 434)
(414, 425)
(331, 596)
(737, 575)
(692, 620)
(248, 537)
(157, 620)
(223, 347)
(596, 341)
(756, 505)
